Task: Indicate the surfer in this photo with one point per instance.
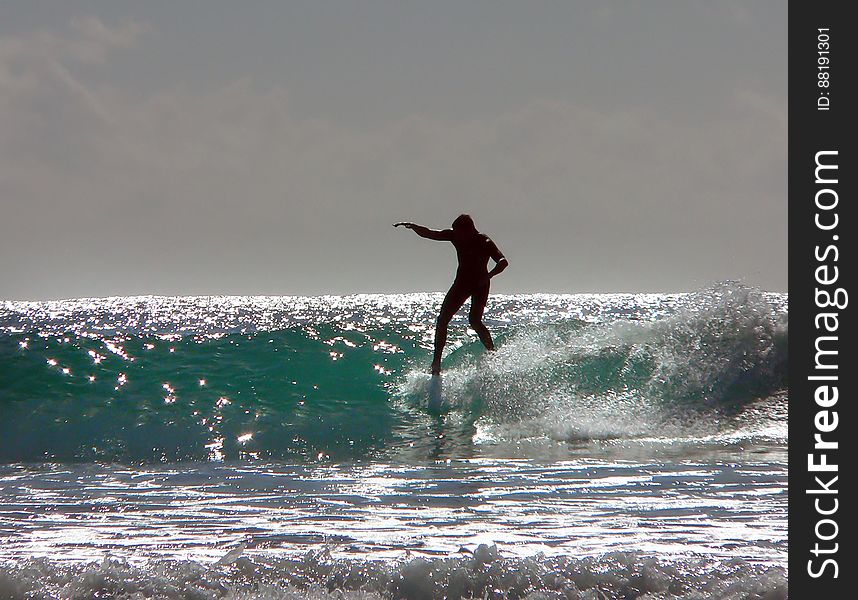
(473, 249)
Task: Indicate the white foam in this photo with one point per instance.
(681, 376)
(481, 573)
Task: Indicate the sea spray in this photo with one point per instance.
(684, 375)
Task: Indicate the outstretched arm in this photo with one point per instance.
(441, 235)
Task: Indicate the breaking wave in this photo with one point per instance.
(73, 388)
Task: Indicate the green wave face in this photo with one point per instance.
(349, 382)
(272, 394)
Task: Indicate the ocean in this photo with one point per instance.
(615, 446)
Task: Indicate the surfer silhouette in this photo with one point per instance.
(473, 249)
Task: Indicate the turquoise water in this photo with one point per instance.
(285, 442)
(166, 379)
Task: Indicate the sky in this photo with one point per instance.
(216, 147)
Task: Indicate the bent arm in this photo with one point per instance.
(500, 265)
(501, 262)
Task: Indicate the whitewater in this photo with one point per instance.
(615, 446)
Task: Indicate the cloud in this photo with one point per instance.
(187, 191)
(86, 40)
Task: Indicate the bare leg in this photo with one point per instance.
(453, 301)
(475, 317)
(440, 340)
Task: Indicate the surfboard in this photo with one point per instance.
(437, 402)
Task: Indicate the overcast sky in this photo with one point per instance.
(218, 147)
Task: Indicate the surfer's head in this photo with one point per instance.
(464, 223)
